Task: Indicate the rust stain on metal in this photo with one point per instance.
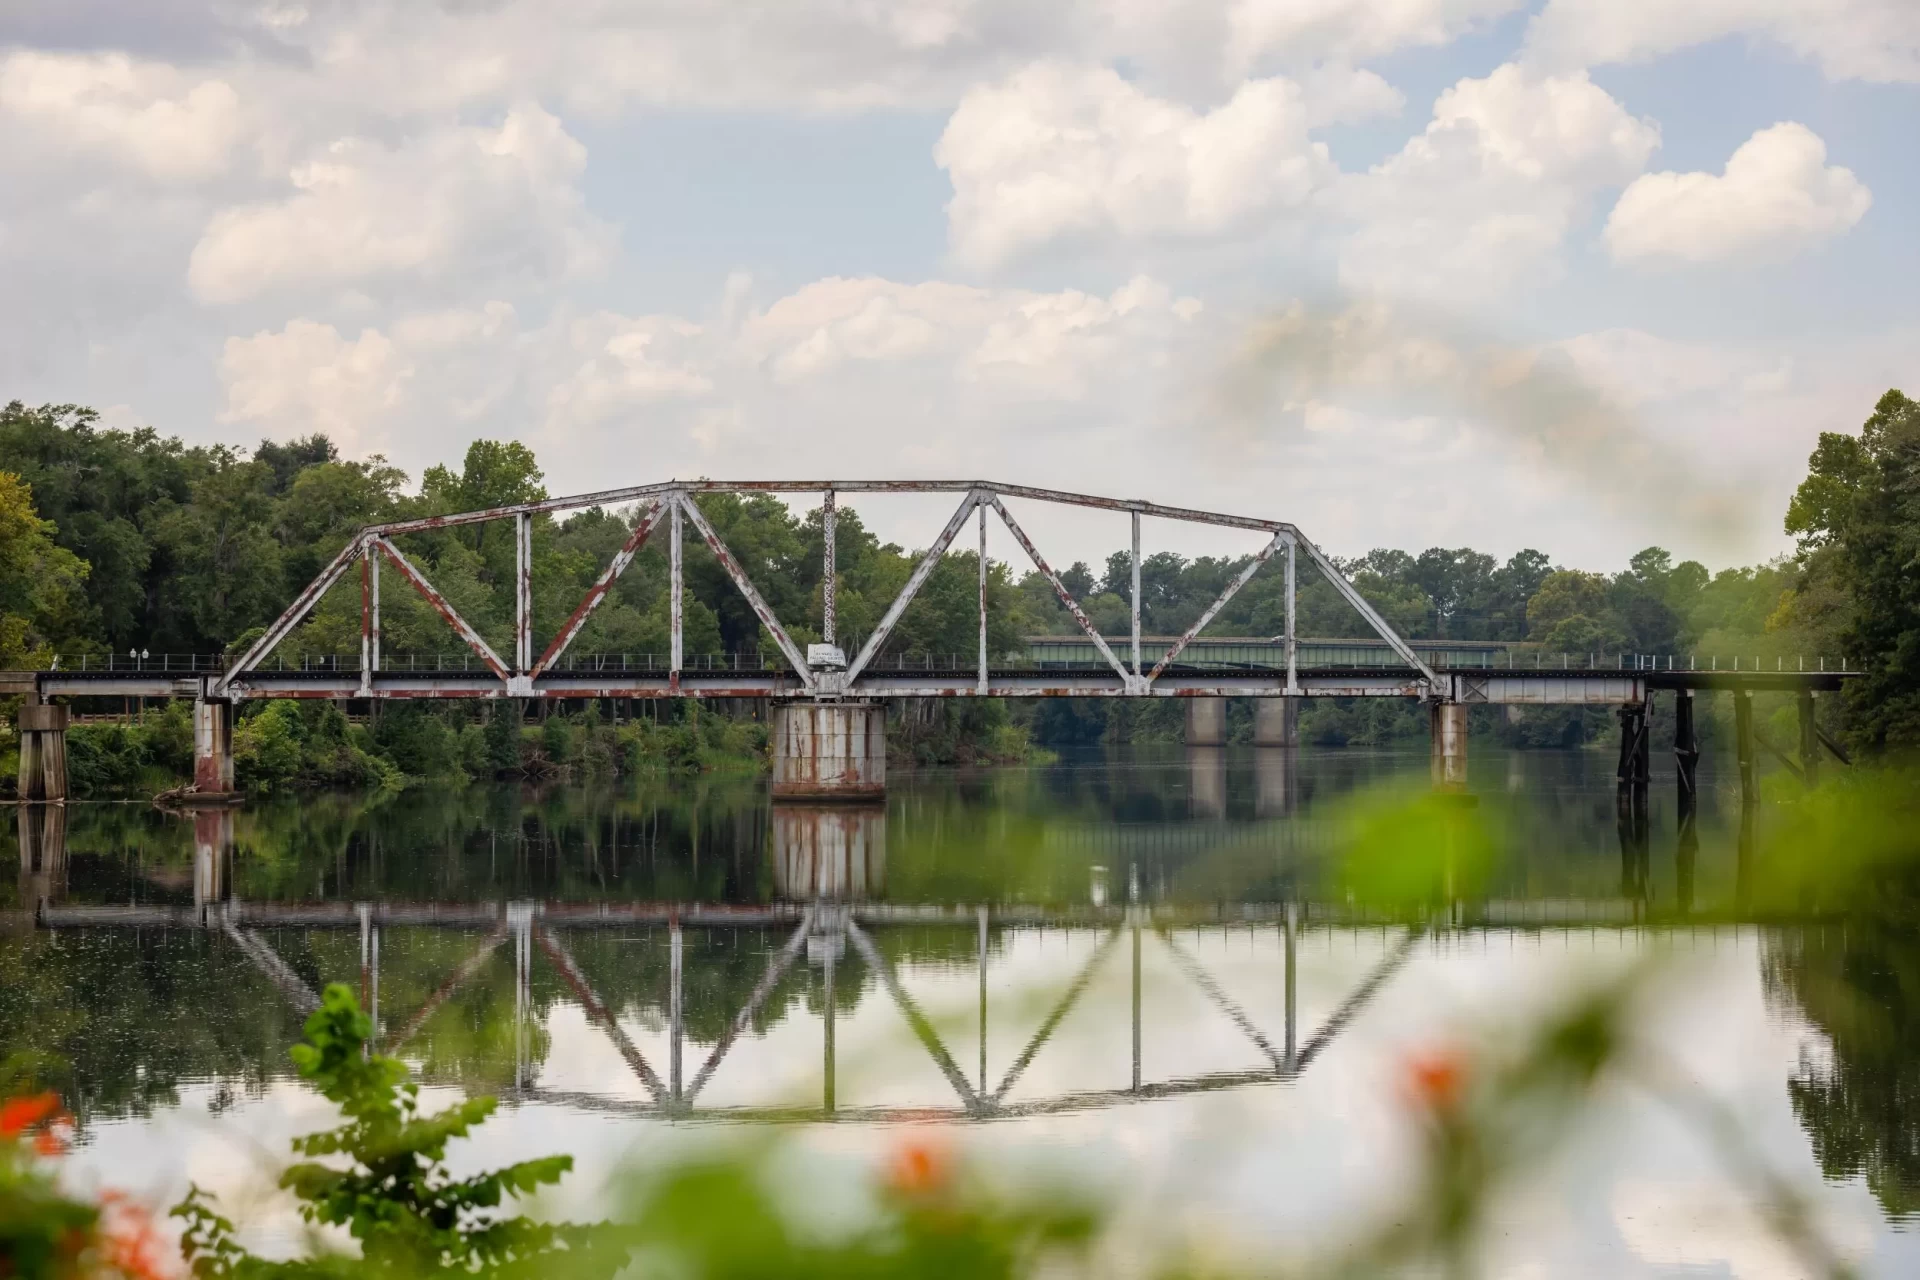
(1059, 587)
(740, 580)
(642, 530)
(1245, 576)
(445, 610)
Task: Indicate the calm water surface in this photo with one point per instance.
(1136, 969)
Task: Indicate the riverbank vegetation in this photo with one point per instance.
(127, 541)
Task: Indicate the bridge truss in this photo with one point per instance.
(824, 673)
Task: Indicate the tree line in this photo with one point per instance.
(114, 540)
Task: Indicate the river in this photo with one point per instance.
(1134, 970)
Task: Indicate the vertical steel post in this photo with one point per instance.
(366, 622)
(982, 952)
(981, 689)
(826, 1032)
(675, 655)
(1293, 646)
(1136, 603)
(829, 587)
(674, 1009)
(1136, 996)
(523, 593)
(1291, 930)
(373, 562)
(1743, 743)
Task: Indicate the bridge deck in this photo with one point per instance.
(1470, 684)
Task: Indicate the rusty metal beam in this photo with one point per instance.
(676, 587)
(608, 497)
(1353, 597)
(918, 579)
(776, 968)
(1135, 598)
(1066, 597)
(830, 572)
(1053, 1019)
(367, 563)
(1214, 992)
(441, 994)
(981, 687)
(1293, 643)
(286, 622)
(923, 1030)
(761, 609)
(1233, 588)
(642, 530)
(597, 1010)
(522, 592)
(445, 610)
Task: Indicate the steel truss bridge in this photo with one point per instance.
(820, 934)
(667, 509)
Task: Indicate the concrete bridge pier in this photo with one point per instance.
(1206, 722)
(830, 751)
(212, 856)
(1276, 722)
(43, 854)
(829, 852)
(1449, 740)
(43, 752)
(212, 749)
(1276, 781)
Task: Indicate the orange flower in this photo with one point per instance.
(49, 1144)
(130, 1244)
(920, 1167)
(1436, 1080)
(17, 1115)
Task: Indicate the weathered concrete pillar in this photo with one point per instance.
(832, 852)
(1276, 722)
(213, 748)
(43, 854)
(43, 753)
(1450, 746)
(1276, 781)
(212, 855)
(1207, 782)
(1743, 743)
(829, 751)
(1809, 740)
(1206, 722)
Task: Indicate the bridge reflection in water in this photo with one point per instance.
(826, 946)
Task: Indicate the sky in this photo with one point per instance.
(1582, 275)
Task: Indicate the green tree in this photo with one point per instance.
(410, 1216)
(1857, 517)
(39, 580)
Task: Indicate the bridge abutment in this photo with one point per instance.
(1276, 722)
(830, 751)
(1449, 737)
(1206, 722)
(43, 752)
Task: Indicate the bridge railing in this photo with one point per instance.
(1041, 654)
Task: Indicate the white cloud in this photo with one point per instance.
(1060, 150)
(1876, 40)
(308, 378)
(1777, 196)
(449, 202)
(1346, 30)
(622, 363)
(1049, 345)
(148, 116)
(1486, 195)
